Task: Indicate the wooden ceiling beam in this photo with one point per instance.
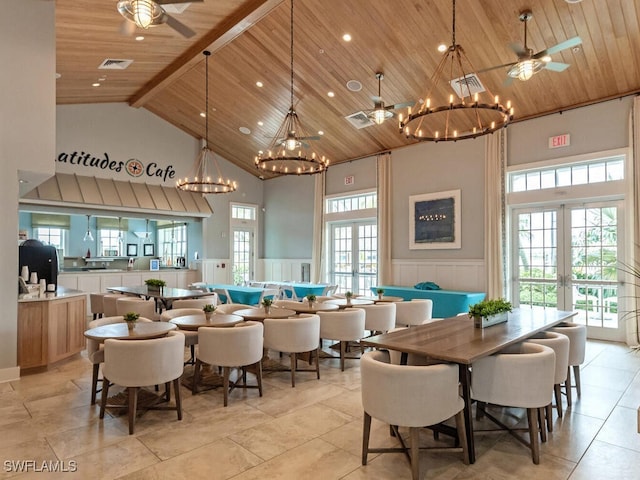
(242, 19)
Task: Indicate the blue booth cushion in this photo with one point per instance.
(446, 303)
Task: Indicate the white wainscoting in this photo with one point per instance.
(463, 275)
(212, 271)
(281, 270)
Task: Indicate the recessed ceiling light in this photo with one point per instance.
(259, 84)
(442, 48)
(320, 132)
(95, 84)
(575, 49)
(245, 130)
(260, 123)
(331, 94)
(203, 115)
(346, 37)
(139, 38)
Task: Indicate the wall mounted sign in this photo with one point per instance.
(133, 166)
(349, 180)
(434, 220)
(558, 141)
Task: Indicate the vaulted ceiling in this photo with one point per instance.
(249, 40)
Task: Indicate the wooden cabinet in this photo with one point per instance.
(50, 330)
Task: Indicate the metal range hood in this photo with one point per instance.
(78, 192)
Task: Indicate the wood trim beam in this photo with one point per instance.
(230, 28)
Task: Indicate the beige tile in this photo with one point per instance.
(572, 434)
(603, 460)
(37, 451)
(5, 387)
(215, 461)
(12, 408)
(595, 402)
(621, 429)
(606, 377)
(631, 397)
(52, 404)
(313, 460)
(619, 357)
(283, 402)
(288, 431)
(349, 437)
(181, 437)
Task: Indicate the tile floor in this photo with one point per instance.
(312, 431)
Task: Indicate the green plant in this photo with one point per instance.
(209, 308)
(489, 307)
(155, 282)
(380, 291)
(348, 295)
(267, 302)
(131, 316)
(311, 298)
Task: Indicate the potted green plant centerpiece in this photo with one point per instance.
(348, 296)
(155, 284)
(490, 312)
(311, 298)
(208, 310)
(131, 318)
(380, 293)
(266, 303)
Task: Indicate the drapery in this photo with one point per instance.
(317, 248)
(385, 273)
(633, 250)
(494, 217)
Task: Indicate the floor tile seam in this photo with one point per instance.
(637, 452)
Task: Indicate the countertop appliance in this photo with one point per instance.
(42, 260)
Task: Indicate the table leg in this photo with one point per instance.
(465, 381)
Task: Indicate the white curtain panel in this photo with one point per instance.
(385, 273)
(633, 248)
(494, 177)
(317, 249)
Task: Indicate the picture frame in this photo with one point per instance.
(434, 221)
(154, 264)
(148, 250)
(132, 250)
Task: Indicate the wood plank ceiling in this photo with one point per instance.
(250, 42)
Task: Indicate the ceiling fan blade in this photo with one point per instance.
(311, 137)
(518, 49)
(556, 66)
(400, 105)
(572, 42)
(127, 28)
(170, 2)
(504, 65)
(178, 26)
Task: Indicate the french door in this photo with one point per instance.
(567, 256)
(243, 255)
(354, 256)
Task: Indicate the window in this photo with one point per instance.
(243, 242)
(242, 212)
(594, 171)
(349, 204)
(51, 236)
(172, 242)
(110, 242)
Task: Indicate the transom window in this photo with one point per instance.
(241, 212)
(595, 171)
(349, 204)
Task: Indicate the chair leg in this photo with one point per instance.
(567, 386)
(259, 377)
(196, 376)
(558, 395)
(462, 436)
(94, 383)
(533, 435)
(292, 356)
(167, 391)
(366, 433)
(225, 384)
(576, 374)
(342, 354)
(542, 413)
(318, 363)
(133, 404)
(549, 415)
(414, 433)
(105, 393)
(176, 388)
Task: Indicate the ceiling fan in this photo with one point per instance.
(530, 63)
(149, 13)
(379, 113)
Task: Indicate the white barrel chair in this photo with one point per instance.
(379, 318)
(577, 345)
(415, 312)
(96, 301)
(144, 308)
(344, 326)
(190, 337)
(195, 302)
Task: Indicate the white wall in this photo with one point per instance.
(27, 137)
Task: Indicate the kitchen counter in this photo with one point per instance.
(61, 292)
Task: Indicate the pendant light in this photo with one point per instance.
(88, 237)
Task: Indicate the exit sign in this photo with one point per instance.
(560, 141)
(349, 180)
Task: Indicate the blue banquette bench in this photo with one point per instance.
(446, 303)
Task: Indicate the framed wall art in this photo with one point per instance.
(148, 250)
(434, 220)
(132, 250)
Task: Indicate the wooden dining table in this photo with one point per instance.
(193, 322)
(383, 299)
(315, 307)
(354, 302)
(162, 296)
(120, 331)
(456, 340)
(258, 314)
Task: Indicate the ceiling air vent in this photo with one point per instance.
(467, 85)
(114, 64)
(359, 120)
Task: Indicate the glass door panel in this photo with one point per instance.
(354, 256)
(242, 268)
